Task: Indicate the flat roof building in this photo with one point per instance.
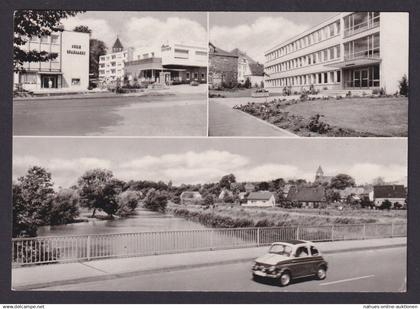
(70, 69)
(111, 66)
(352, 50)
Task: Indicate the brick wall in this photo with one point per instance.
(222, 69)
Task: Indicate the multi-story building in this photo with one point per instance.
(352, 50)
(170, 62)
(111, 66)
(69, 69)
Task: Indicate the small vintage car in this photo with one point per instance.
(288, 260)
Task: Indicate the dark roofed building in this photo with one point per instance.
(261, 199)
(396, 194)
(307, 196)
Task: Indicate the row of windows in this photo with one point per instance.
(307, 80)
(119, 56)
(310, 39)
(321, 56)
(45, 39)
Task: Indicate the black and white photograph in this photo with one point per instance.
(110, 73)
(210, 215)
(320, 74)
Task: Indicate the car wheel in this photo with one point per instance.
(285, 278)
(321, 273)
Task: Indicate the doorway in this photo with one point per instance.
(49, 81)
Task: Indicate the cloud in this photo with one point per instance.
(254, 39)
(366, 172)
(101, 29)
(150, 31)
(267, 172)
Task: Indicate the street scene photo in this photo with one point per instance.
(310, 74)
(209, 214)
(110, 73)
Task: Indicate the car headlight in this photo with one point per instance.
(272, 268)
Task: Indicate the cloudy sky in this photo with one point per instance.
(143, 28)
(207, 160)
(254, 33)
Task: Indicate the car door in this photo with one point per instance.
(315, 259)
(301, 262)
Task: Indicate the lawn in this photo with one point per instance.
(377, 116)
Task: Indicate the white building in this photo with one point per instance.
(169, 62)
(261, 199)
(69, 70)
(352, 50)
(111, 66)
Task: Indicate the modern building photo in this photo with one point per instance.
(68, 70)
(311, 74)
(110, 73)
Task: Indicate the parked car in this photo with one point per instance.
(194, 83)
(289, 260)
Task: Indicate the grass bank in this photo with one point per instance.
(238, 216)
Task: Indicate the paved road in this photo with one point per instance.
(380, 270)
(225, 121)
(170, 115)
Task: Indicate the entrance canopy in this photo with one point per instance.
(354, 63)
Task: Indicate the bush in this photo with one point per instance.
(156, 200)
(403, 86)
(64, 207)
(386, 205)
(317, 126)
(247, 83)
(127, 203)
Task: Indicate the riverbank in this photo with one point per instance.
(228, 216)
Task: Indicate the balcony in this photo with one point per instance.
(369, 24)
(371, 54)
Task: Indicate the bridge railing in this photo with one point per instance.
(44, 250)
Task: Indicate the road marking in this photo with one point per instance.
(349, 279)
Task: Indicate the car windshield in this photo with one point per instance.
(281, 249)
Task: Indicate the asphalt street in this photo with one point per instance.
(379, 270)
(179, 114)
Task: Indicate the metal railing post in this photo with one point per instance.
(88, 248)
(364, 231)
(392, 229)
(211, 239)
(332, 232)
(297, 232)
(258, 237)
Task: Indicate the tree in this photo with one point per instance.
(247, 83)
(82, 28)
(32, 197)
(365, 202)
(226, 181)
(332, 196)
(263, 186)
(209, 200)
(97, 48)
(378, 181)
(403, 85)
(33, 23)
(156, 200)
(64, 207)
(342, 181)
(98, 189)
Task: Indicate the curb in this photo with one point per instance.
(174, 268)
(287, 133)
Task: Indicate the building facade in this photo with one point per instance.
(111, 66)
(223, 68)
(353, 50)
(261, 199)
(169, 63)
(396, 194)
(68, 70)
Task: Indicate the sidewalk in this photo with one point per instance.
(226, 121)
(58, 274)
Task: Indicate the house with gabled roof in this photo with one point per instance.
(261, 199)
(396, 194)
(310, 197)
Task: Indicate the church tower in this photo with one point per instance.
(117, 47)
(319, 173)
